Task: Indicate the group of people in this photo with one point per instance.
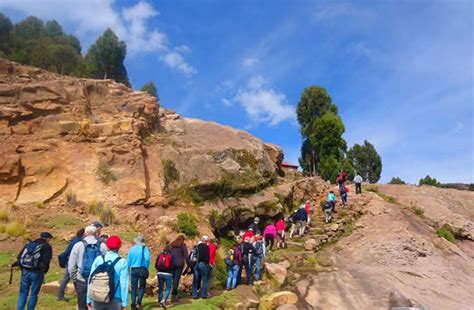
(101, 276)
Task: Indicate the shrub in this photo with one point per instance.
(372, 189)
(429, 181)
(15, 229)
(389, 199)
(71, 199)
(4, 215)
(187, 224)
(397, 180)
(107, 216)
(95, 207)
(418, 211)
(104, 172)
(171, 174)
(39, 204)
(446, 234)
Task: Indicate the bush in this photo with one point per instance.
(219, 272)
(15, 229)
(95, 207)
(107, 216)
(419, 211)
(187, 224)
(4, 215)
(429, 181)
(171, 174)
(104, 172)
(397, 180)
(71, 199)
(39, 204)
(446, 234)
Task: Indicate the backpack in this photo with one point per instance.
(101, 282)
(259, 249)
(164, 262)
(91, 251)
(237, 255)
(63, 258)
(230, 258)
(193, 256)
(31, 256)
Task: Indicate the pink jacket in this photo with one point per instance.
(280, 225)
(271, 230)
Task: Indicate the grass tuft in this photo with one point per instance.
(71, 199)
(105, 173)
(445, 233)
(418, 211)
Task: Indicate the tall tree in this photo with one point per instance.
(106, 57)
(150, 88)
(5, 28)
(53, 29)
(366, 161)
(397, 180)
(24, 38)
(314, 102)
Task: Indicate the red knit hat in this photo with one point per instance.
(114, 243)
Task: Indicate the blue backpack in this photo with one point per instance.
(91, 251)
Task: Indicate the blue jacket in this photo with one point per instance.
(135, 259)
(121, 274)
(331, 197)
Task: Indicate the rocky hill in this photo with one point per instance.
(104, 141)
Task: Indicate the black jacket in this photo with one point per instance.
(247, 247)
(203, 253)
(180, 255)
(46, 255)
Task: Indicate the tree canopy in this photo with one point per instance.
(366, 161)
(106, 57)
(150, 88)
(429, 181)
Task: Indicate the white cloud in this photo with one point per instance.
(249, 62)
(89, 18)
(264, 104)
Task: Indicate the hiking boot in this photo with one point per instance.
(133, 307)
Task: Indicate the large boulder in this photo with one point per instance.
(310, 244)
(278, 271)
(277, 299)
(52, 288)
(247, 296)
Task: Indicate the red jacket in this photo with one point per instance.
(308, 208)
(249, 234)
(212, 253)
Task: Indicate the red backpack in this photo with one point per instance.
(163, 261)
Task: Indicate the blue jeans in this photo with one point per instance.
(258, 264)
(31, 282)
(176, 277)
(64, 282)
(344, 198)
(248, 265)
(164, 278)
(232, 276)
(201, 273)
(138, 284)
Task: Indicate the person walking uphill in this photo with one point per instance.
(63, 258)
(341, 179)
(179, 251)
(280, 227)
(108, 281)
(247, 253)
(358, 184)
(233, 261)
(164, 268)
(34, 261)
(138, 262)
(270, 235)
(80, 263)
(201, 270)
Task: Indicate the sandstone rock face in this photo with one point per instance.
(104, 141)
(247, 296)
(278, 299)
(278, 271)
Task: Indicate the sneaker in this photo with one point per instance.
(163, 304)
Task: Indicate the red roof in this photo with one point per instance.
(285, 164)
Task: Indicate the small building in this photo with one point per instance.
(287, 167)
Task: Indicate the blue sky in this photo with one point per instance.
(401, 72)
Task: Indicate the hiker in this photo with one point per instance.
(280, 228)
(238, 244)
(80, 262)
(358, 184)
(332, 200)
(307, 207)
(270, 234)
(201, 269)
(247, 258)
(259, 254)
(34, 261)
(254, 226)
(327, 208)
(233, 261)
(63, 259)
(113, 269)
(341, 179)
(212, 257)
(98, 225)
(298, 217)
(138, 263)
(179, 251)
(249, 233)
(164, 268)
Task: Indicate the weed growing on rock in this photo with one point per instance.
(39, 204)
(171, 174)
(71, 199)
(95, 207)
(107, 216)
(187, 224)
(105, 173)
(446, 234)
(418, 211)
(4, 215)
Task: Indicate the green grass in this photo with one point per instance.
(226, 300)
(60, 221)
(105, 173)
(419, 211)
(446, 234)
(389, 199)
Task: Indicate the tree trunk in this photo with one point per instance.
(315, 172)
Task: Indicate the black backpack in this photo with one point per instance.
(30, 258)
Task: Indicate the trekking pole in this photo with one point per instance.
(11, 276)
